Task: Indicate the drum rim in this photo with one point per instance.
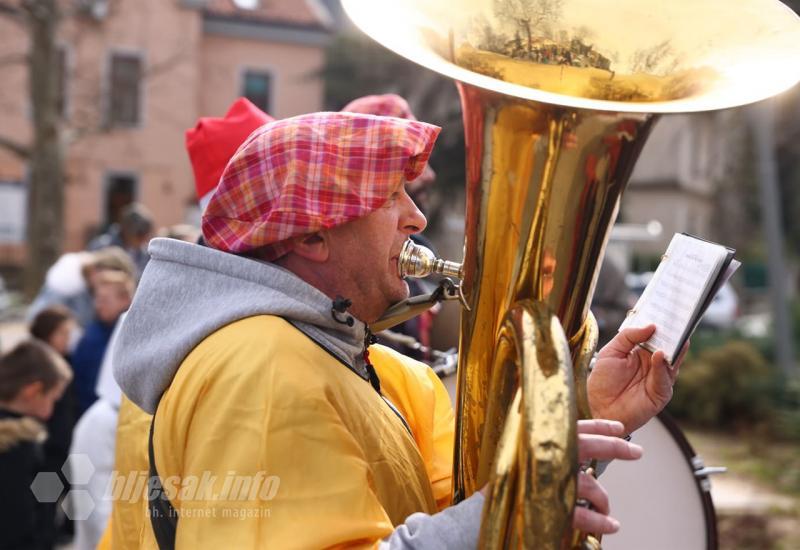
(710, 513)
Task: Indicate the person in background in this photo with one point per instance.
(32, 378)
(112, 295)
(214, 140)
(181, 232)
(54, 326)
(70, 282)
(132, 234)
(95, 437)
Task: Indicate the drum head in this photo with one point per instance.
(657, 499)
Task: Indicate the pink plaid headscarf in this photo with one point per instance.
(296, 176)
(392, 105)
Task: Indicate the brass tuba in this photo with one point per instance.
(558, 98)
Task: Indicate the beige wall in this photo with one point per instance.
(188, 74)
(224, 60)
(167, 38)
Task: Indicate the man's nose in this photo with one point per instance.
(412, 220)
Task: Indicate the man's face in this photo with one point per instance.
(364, 255)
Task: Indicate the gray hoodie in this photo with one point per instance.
(188, 291)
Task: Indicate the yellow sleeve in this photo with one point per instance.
(272, 462)
(423, 399)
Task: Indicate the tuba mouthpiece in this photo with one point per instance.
(418, 261)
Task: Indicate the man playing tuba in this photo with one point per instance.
(254, 354)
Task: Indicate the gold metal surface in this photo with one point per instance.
(532, 489)
(652, 56)
(542, 192)
(584, 345)
(558, 98)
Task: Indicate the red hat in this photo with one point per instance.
(213, 141)
(297, 176)
(382, 105)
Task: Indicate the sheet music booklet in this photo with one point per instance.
(689, 275)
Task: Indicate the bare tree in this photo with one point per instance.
(44, 154)
(485, 36)
(40, 20)
(657, 59)
(529, 16)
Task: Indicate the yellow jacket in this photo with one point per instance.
(329, 463)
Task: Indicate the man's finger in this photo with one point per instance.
(602, 447)
(627, 339)
(590, 521)
(590, 489)
(599, 426)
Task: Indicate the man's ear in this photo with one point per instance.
(313, 247)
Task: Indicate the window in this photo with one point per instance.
(13, 213)
(120, 192)
(258, 89)
(246, 4)
(125, 90)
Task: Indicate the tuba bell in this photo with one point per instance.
(558, 99)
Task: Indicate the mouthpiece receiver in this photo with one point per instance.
(418, 261)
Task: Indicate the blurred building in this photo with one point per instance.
(676, 180)
(135, 75)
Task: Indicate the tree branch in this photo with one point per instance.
(17, 148)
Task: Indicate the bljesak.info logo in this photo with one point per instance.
(82, 489)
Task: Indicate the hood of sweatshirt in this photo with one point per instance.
(189, 291)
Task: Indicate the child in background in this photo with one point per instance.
(113, 292)
(56, 326)
(32, 379)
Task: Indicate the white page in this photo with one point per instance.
(673, 295)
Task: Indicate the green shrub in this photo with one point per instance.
(787, 405)
(728, 386)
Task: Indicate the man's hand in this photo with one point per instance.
(599, 439)
(628, 383)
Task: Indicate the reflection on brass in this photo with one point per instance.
(583, 346)
(565, 71)
(419, 261)
(558, 98)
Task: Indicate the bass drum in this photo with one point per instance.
(662, 500)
